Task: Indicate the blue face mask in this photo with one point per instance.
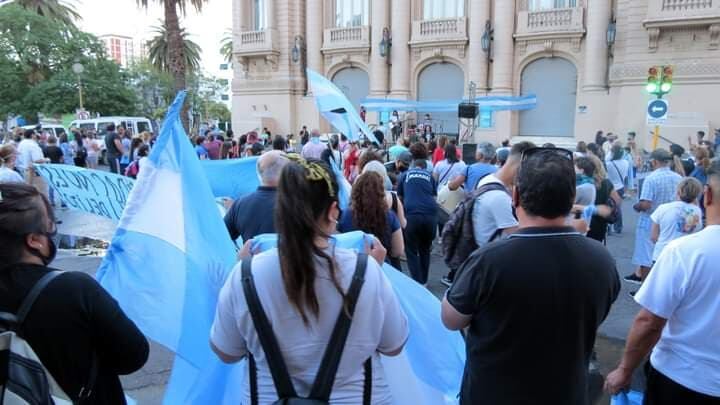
(315, 139)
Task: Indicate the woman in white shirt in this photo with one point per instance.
(678, 218)
(92, 146)
(302, 286)
(7, 165)
(618, 171)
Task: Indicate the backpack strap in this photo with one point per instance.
(331, 359)
(34, 293)
(278, 369)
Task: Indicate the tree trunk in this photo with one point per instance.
(176, 57)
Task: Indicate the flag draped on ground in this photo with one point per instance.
(336, 108)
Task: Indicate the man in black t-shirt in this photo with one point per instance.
(534, 301)
(114, 149)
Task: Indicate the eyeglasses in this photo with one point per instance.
(555, 151)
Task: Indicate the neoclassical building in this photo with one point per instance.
(585, 60)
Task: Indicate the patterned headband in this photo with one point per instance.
(314, 171)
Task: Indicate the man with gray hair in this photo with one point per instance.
(253, 214)
(474, 173)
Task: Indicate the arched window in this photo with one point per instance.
(438, 9)
(351, 13)
(259, 15)
(537, 5)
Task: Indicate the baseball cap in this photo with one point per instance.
(405, 157)
(661, 155)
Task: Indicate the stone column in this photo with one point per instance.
(240, 15)
(596, 49)
(478, 14)
(378, 63)
(271, 17)
(314, 28)
(400, 53)
(503, 47)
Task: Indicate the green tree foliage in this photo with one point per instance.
(58, 10)
(153, 88)
(36, 58)
(159, 51)
(226, 46)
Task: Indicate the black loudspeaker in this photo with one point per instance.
(468, 110)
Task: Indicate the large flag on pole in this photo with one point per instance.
(336, 108)
(171, 255)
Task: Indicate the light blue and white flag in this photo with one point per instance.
(169, 258)
(492, 103)
(336, 108)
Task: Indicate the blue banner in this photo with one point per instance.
(92, 191)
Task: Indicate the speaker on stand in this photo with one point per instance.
(467, 114)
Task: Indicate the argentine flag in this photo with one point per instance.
(170, 256)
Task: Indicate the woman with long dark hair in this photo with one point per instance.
(303, 287)
(74, 325)
(369, 213)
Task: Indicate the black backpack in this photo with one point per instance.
(322, 387)
(458, 239)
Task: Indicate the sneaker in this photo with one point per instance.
(632, 278)
(632, 294)
(446, 281)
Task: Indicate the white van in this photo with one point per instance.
(136, 125)
(51, 129)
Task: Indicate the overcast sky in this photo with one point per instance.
(124, 17)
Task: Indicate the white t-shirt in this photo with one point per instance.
(492, 211)
(10, 176)
(378, 324)
(683, 288)
(676, 219)
(447, 172)
(618, 171)
(28, 152)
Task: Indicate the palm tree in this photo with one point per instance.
(176, 60)
(226, 46)
(159, 51)
(59, 10)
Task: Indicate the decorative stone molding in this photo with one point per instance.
(653, 38)
(573, 44)
(685, 72)
(674, 15)
(714, 36)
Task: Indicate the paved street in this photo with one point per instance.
(147, 385)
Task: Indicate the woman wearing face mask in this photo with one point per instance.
(74, 326)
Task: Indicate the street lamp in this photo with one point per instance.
(486, 40)
(385, 43)
(296, 53)
(611, 33)
(79, 69)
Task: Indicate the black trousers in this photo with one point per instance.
(114, 164)
(661, 390)
(419, 236)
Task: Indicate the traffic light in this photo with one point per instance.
(666, 84)
(653, 81)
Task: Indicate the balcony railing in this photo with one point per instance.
(683, 5)
(350, 37)
(453, 29)
(682, 12)
(251, 43)
(555, 21)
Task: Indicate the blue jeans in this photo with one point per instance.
(618, 225)
(419, 236)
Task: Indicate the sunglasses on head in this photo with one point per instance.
(541, 151)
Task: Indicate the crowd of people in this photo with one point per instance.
(521, 229)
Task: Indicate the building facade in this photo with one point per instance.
(123, 50)
(585, 60)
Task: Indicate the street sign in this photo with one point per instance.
(657, 111)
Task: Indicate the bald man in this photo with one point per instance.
(253, 214)
(679, 318)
